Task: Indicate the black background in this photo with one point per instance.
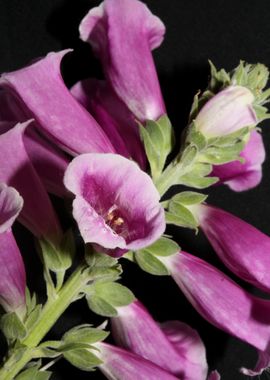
(223, 31)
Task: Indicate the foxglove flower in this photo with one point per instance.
(223, 303)
(240, 246)
(12, 272)
(227, 112)
(116, 204)
(42, 92)
(119, 364)
(240, 176)
(113, 115)
(16, 170)
(48, 160)
(122, 34)
(173, 346)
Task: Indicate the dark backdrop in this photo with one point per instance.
(225, 32)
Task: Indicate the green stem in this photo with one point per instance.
(52, 310)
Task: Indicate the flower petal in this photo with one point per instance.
(228, 111)
(11, 204)
(119, 364)
(244, 176)
(175, 347)
(37, 214)
(240, 246)
(12, 273)
(189, 346)
(59, 116)
(221, 301)
(112, 114)
(122, 33)
(116, 204)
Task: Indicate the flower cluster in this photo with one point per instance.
(106, 146)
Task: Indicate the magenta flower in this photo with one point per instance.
(224, 304)
(241, 176)
(12, 272)
(240, 246)
(37, 214)
(124, 365)
(122, 34)
(113, 115)
(116, 204)
(227, 112)
(48, 160)
(174, 346)
(42, 92)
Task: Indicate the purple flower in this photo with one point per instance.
(227, 112)
(240, 246)
(12, 273)
(16, 170)
(174, 346)
(41, 91)
(48, 160)
(113, 115)
(244, 176)
(224, 304)
(123, 365)
(122, 34)
(116, 204)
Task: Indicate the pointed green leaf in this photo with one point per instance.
(113, 293)
(12, 326)
(182, 216)
(85, 334)
(83, 359)
(150, 264)
(162, 247)
(101, 307)
(188, 198)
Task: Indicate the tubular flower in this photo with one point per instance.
(119, 364)
(112, 114)
(59, 117)
(173, 346)
(122, 34)
(240, 246)
(37, 214)
(224, 304)
(12, 272)
(240, 176)
(116, 204)
(48, 160)
(227, 112)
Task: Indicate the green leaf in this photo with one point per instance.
(150, 264)
(97, 259)
(180, 216)
(195, 137)
(101, 307)
(85, 334)
(33, 373)
(58, 259)
(188, 156)
(198, 182)
(188, 198)
(33, 317)
(162, 247)
(12, 326)
(83, 359)
(158, 141)
(113, 293)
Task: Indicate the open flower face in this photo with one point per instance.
(116, 204)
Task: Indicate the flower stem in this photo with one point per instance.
(52, 310)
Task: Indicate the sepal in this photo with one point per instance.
(34, 373)
(12, 327)
(103, 298)
(158, 140)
